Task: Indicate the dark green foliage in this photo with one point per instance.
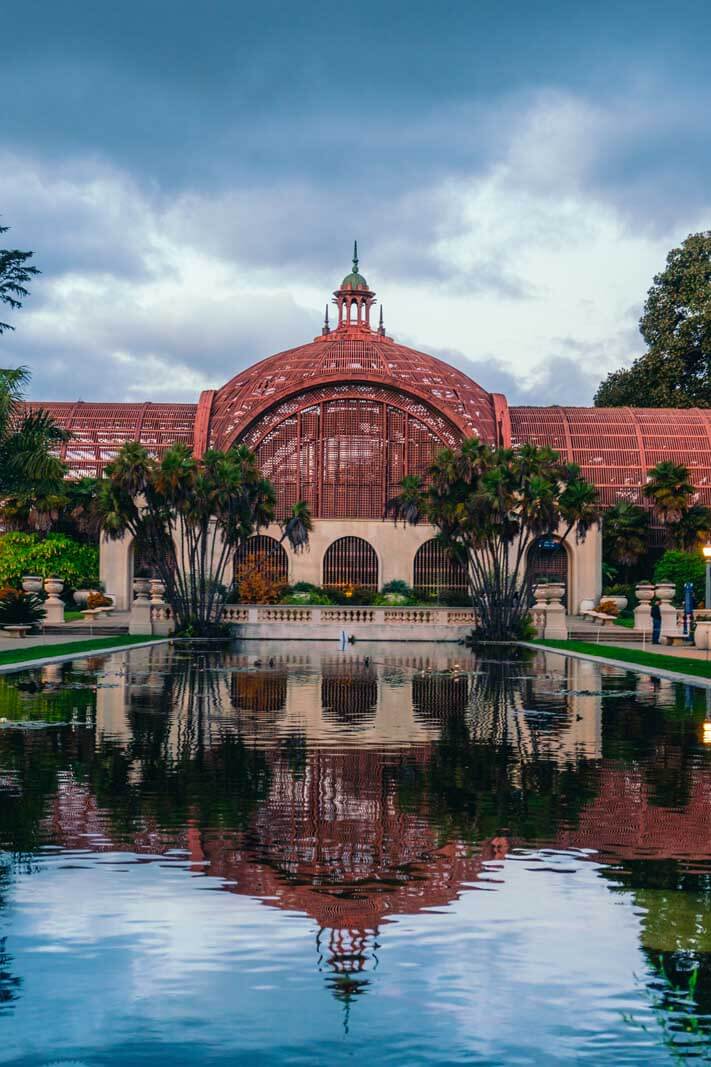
(54, 555)
(491, 505)
(31, 475)
(20, 609)
(625, 530)
(358, 595)
(15, 274)
(675, 371)
(680, 567)
(397, 586)
(191, 515)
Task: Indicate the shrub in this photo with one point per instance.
(77, 565)
(679, 567)
(351, 594)
(399, 587)
(608, 607)
(257, 587)
(97, 600)
(393, 598)
(20, 609)
(312, 596)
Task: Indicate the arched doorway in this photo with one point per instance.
(435, 573)
(548, 562)
(350, 561)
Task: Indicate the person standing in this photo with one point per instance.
(656, 621)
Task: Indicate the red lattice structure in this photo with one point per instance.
(99, 430)
(338, 422)
(616, 447)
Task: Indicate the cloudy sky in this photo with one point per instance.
(191, 178)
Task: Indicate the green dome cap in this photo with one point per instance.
(354, 280)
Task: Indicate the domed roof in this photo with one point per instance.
(353, 360)
(354, 280)
(352, 357)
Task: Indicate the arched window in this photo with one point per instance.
(435, 572)
(264, 555)
(548, 561)
(350, 561)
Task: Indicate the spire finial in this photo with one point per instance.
(381, 327)
(326, 328)
(355, 257)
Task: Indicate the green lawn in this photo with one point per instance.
(95, 644)
(72, 616)
(627, 621)
(635, 656)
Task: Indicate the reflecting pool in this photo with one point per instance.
(395, 854)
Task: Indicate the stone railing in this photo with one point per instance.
(326, 622)
(287, 621)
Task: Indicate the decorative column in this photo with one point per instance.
(162, 621)
(140, 620)
(643, 611)
(53, 605)
(538, 611)
(665, 592)
(556, 622)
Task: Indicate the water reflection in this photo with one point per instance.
(357, 787)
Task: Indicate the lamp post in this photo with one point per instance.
(707, 559)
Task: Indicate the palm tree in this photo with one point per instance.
(669, 488)
(625, 530)
(31, 472)
(692, 529)
(191, 515)
(491, 505)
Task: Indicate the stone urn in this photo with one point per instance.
(53, 587)
(665, 591)
(81, 596)
(702, 635)
(32, 583)
(540, 595)
(141, 588)
(553, 591)
(157, 588)
(644, 592)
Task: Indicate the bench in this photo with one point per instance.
(91, 613)
(600, 616)
(675, 639)
(17, 631)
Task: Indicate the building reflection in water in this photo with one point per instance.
(356, 786)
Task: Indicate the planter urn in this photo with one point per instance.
(32, 583)
(141, 588)
(157, 588)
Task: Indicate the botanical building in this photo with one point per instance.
(340, 420)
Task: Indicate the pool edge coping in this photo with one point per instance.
(640, 668)
(42, 661)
